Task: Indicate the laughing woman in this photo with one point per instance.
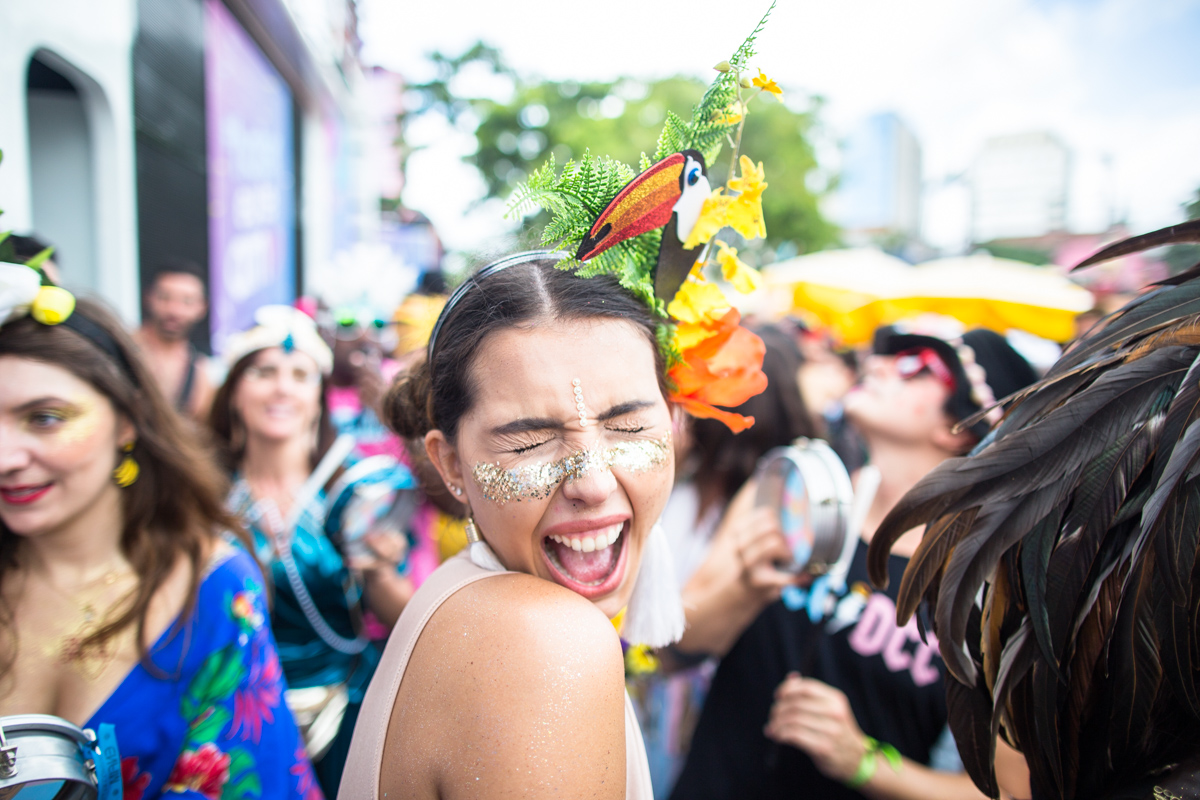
(120, 602)
(543, 408)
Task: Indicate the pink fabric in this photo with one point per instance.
(423, 559)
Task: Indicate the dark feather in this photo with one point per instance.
(1174, 234)
(1079, 516)
(1174, 621)
(965, 705)
(931, 554)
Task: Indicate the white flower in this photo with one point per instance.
(19, 287)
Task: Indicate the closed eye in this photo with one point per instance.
(528, 447)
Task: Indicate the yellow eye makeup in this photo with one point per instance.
(538, 481)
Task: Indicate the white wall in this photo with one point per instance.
(62, 174)
(90, 43)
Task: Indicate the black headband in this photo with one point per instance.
(490, 269)
(98, 336)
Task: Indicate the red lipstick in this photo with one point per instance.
(23, 495)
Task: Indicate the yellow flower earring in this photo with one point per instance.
(127, 471)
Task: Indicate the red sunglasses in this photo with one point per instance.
(911, 363)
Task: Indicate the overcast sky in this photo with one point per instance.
(1117, 80)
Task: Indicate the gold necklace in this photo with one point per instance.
(72, 648)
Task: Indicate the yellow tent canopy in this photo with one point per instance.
(855, 291)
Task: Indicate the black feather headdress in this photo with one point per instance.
(1059, 558)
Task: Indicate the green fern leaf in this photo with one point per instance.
(674, 136)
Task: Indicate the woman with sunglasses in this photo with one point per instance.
(272, 422)
(850, 704)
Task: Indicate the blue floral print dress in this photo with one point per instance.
(207, 718)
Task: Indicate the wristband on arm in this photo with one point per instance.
(870, 761)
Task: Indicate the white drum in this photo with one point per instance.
(809, 486)
(47, 758)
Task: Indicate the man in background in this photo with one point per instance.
(175, 301)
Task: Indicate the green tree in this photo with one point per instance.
(622, 119)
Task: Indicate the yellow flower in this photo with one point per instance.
(697, 301)
(713, 216)
(743, 213)
(752, 181)
(640, 660)
(730, 116)
(767, 85)
(698, 307)
(743, 277)
(52, 305)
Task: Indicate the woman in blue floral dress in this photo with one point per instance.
(121, 602)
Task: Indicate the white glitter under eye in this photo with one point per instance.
(538, 481)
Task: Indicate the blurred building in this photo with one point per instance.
(1019, 187)
(225, 132)
(879, 190)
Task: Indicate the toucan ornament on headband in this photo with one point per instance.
(652, 231)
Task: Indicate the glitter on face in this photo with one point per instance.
(539, 481)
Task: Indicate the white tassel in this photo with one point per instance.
(483, 557)
(655, 616)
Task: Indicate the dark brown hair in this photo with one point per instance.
(435, 394)
(726, 460)
(228, 430)
(174, 509)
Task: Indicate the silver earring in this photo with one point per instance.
(457, 490)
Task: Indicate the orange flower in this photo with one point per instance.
(723, 369)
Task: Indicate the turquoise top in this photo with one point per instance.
(307, 656)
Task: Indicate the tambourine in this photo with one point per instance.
(47, 758)
(809, 486)
(377, 493)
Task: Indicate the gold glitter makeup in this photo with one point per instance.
(539, 481)
(78, 421)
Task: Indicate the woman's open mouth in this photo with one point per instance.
(590, 563)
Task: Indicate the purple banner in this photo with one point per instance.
(251, 198)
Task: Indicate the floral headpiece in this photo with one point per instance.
(652, 231)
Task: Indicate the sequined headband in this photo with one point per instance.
(490, 269)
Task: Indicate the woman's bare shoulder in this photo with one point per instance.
(542, 620)
(524, 681)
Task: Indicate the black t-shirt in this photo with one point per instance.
(893, 680)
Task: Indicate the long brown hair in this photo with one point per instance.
(174, 509)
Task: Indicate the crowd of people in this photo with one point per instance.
(519, 546)
(166, 546)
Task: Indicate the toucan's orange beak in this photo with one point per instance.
(645, 204)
